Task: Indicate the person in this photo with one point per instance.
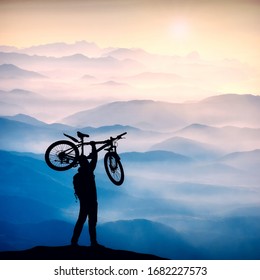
(85, 190)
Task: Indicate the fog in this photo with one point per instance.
(75, 82)
(190, 163)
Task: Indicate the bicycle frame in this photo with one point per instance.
(106, 143)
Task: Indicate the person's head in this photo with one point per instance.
(83, 162)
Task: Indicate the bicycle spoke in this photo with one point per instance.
(114, 168)
(61, 155)
(116, 173)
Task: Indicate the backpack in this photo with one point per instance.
(77, 183)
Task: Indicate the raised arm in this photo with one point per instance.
(93, 156)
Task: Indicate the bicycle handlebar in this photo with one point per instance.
(120, 135)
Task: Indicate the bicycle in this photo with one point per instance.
(64, 154)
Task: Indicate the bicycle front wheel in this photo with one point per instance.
(61, 155)
(114, 168)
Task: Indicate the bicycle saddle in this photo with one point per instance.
(82, 135)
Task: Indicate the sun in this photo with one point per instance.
(180, 29)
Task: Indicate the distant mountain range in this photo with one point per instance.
(57, 49)
(26, 119)
(191, 161)
(245, 160)
(95, 65)
(188, 147)
(226, 138)
(177, 155)
(81, 76)
(19, 93)
(155, 156)
(145, 132)
(26, 134)
(10, 71)
(173, 116)
(159, 77)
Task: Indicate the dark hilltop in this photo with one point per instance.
(74, 253)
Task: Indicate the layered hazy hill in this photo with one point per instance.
(171, 116)
(57, 49)
(82, 75)
(191, 184)
(10, 71)
(184, 220)
(191, 153)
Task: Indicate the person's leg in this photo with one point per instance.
(92, 222)
(83, 212)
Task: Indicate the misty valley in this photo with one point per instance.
(192, 181)
(180, 197)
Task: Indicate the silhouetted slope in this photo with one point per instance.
(19, 209)
(148, 237)
(74, 253)
(10, 71)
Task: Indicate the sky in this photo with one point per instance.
(217, 29)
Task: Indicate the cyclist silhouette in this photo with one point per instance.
(85, 189)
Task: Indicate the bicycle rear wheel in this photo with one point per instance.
(61, 155)
(114, 168)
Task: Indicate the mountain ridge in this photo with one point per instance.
(172, 116)
(57, 49)
(11, 71)
(188, 147)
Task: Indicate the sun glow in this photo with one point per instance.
(180, 29)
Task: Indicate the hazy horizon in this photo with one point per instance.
(69, 78)
(172, 51)
(217, 29)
